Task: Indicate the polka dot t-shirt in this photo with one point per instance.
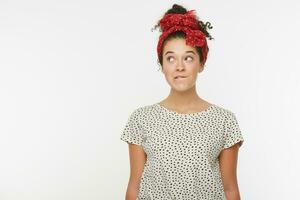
(182, 150)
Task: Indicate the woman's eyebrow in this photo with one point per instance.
(190, 52)
(169, 52)
(185, 52)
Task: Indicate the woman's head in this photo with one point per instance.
(177, 9)
(175, 55)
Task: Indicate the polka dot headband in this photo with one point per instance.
(187, 23)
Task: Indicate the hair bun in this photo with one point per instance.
(177, 9)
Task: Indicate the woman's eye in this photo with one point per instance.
(190, 57)
(168, 58)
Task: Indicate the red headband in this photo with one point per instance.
(187, 23)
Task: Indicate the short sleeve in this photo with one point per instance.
(131, 133)
(232, 133)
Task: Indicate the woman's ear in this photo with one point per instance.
(201, 67)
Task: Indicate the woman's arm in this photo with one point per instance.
(137, 158)
(228, 164)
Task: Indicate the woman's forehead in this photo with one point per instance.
(178, 46)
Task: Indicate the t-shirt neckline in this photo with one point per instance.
(185, 114)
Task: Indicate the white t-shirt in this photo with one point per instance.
(182, 150)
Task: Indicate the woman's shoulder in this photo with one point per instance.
(223, 111)
(148, 108)
(143, 109)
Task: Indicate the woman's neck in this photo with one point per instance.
(186, 100)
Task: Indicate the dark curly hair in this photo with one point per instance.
(178, 9)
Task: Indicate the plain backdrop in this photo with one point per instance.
(71, 72)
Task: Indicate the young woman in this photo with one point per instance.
(183, 147)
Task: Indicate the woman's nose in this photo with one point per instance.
(180, 65)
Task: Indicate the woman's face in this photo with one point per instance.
(180, 59)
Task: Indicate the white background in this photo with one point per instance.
(71, 72)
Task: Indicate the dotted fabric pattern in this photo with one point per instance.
(182, 150)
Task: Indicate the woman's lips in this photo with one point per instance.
(180, 77)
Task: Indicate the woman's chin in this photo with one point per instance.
(181, 88)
